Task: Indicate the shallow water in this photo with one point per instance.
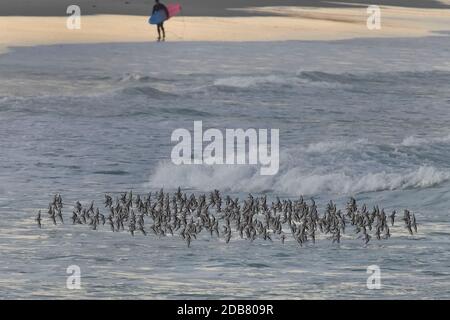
(363, 118)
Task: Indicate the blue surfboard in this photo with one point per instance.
(158, 17)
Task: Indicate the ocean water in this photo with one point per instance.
(362, 118)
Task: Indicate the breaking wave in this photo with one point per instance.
(318, 168)
(292, 180)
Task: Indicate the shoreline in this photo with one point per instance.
(280, 24)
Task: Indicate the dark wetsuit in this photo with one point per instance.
(157, 7)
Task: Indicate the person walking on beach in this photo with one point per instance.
(157, 7)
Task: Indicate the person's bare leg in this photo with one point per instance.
(159, 32)
(163, 31)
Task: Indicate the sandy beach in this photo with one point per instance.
(258, 24)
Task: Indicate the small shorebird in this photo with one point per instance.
(252, 218)
(39, 219)
(392, 217)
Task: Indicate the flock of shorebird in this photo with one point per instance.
(165, 214)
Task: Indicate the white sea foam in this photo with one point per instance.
(292, 180)
(329, 146)
(414, 141)
(250, 81)
(244, 82)
(133, 76)
(308, 171)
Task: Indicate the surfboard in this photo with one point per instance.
(174, 9)
(160, 15)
